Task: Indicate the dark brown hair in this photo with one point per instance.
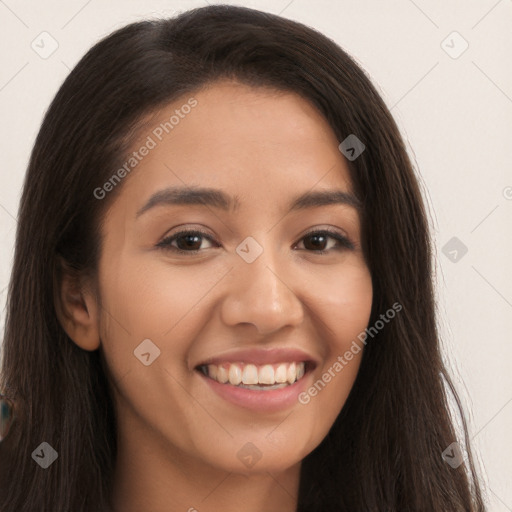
(384, 451)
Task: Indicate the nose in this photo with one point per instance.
(261, 293)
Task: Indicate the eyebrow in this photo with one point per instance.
(219, 199)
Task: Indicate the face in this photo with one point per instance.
(247, 285)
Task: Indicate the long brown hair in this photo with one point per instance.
(384, 451)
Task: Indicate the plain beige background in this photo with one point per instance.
(443, 69)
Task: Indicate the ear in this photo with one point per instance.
(77, 307)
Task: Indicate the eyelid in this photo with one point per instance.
(343, 240)
(339, 235)
(185, 231)
(185, 228)
(328, 229)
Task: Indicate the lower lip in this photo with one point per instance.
(262, 401)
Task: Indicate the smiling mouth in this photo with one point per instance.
(257, 377)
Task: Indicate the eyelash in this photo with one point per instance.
(165, 244)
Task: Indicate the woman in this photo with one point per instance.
(293, 362)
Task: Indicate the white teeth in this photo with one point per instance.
(291, 373)
(267, 376)
(281, 374)
(235, 374)
(222, 374)
(213, 371)
(249, 375)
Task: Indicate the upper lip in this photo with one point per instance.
(259, 356)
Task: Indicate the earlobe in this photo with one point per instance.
(77, 311)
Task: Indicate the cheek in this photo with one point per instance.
(165, 305)
(157, 301)
(343, 303)
(171, 304)
(342, 300)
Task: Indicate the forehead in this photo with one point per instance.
(259, 144)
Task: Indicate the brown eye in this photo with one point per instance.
(186, 241)
(189, 242)
(316, 241)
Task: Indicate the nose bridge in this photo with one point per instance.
(261, 290)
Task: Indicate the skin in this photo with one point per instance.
(178, 440)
